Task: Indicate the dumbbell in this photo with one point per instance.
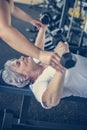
(68, 60)
(45, 18)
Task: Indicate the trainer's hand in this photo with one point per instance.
(36, 23)
(52, 59)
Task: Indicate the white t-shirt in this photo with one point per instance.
(75, 83)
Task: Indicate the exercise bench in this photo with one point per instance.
(25, 103)
(26, 94)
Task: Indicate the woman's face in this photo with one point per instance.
(22, 65)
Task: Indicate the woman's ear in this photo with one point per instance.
(24, 78)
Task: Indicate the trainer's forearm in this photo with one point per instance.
(21, 15)
(17, 41)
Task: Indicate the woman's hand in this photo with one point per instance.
(36, 23)
(62, 48)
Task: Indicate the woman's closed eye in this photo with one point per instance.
(18, 63)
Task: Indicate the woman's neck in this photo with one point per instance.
(36, 72)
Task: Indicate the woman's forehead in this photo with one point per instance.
(9, 62)
(13, 63)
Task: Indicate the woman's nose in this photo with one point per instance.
(22, 57)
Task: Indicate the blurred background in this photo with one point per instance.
(69, 20)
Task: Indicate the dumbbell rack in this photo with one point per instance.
(81, 31)
(77, 47)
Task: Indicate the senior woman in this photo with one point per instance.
(47, 84)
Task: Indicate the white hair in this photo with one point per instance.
(11, 77)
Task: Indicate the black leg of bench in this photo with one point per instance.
(24, 109)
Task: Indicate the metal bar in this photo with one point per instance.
(16, 90)
(63, 15)
(24, 109)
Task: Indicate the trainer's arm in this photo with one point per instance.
(22, 15)
(18, 41)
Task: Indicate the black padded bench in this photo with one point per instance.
(25, 103)
(13, 89)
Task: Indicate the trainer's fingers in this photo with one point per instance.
(58, 67)
(56, 58)
(55, 62)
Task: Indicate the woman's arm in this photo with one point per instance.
(51, 96)
(40, 39)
